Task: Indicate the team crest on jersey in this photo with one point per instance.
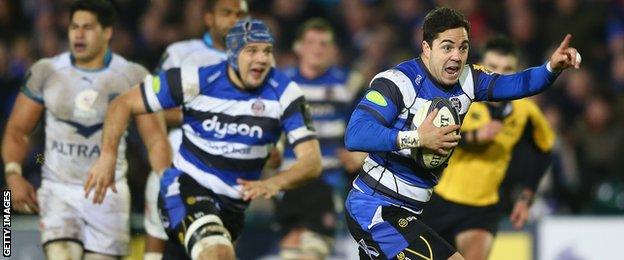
(258, 107)
(457, 105)
(83, 104)
(481, 68)
(418, 79)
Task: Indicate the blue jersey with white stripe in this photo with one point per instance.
(228, 132)
(388, 107)
(330, 106)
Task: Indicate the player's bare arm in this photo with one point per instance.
(118, 113)
(24, 117)
(307, 166)
(173, 117)
(154, 135)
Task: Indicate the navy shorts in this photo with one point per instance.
(385, 231)
(182, 200)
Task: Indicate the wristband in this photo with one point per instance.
(12, 168)
(408, 139)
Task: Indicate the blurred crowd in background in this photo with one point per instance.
(585, 106)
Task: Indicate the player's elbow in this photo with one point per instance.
(316, 166)
(313, 159)
(351, 139)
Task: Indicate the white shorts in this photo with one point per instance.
(65, 214)
(151, 221)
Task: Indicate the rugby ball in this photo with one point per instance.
(447, 115)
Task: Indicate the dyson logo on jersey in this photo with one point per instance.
(223, 129)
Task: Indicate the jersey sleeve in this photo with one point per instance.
(170, 88)
(35, 79)
(369, 128)
(295, 115)
(167, 61)
(136, 73)
(496, 87)
(383, 100)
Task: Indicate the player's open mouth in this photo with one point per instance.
(256, 72)
(453, 70)
(79, 47)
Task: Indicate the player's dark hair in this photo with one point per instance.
(209, 5)
(319, 24)
(103, 9)
(502, 45)
(440, 20)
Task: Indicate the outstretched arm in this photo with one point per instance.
(154, 134)
(117, 116)
(531, 81)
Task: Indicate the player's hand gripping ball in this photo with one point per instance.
(447, 115)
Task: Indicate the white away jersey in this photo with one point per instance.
(75, 103)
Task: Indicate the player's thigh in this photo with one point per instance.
(107, 229)
(385, 231)
(60, 216)
(63, 250)
(474, 243)
(193, 217)
(295, 209)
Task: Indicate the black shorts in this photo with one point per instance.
(384, 231)
(177, 212)
(310, 206)
(449, 218)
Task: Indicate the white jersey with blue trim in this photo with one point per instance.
(75, 103)
(228, 132)
(407, 87)
(194, 52)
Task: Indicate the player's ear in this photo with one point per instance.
(108, 33)
(209, 19)
(297, 47)
(426, 49)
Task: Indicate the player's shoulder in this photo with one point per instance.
(397, 77)
(291, 71)
(53, 63)
(524, 104)
(181, 48)
(478, 68)
(338, 73)
(280, 81)
(130, 69)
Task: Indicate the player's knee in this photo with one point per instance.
(312, 246)
(63, 250)
(98, 256)
(152, 256)
(208, 236)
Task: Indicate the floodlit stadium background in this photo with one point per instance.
(580, 210)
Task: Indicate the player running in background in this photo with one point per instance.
(74, 90)
(308, 224)
(464, 207)
(219, 17)
(384, 205)
(234, 113)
